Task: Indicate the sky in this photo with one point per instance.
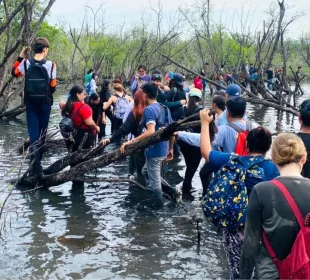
(116, 12)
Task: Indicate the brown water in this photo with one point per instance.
(106, 231)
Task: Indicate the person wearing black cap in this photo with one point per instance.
(163, 91)
(177, 93)
(304, 134)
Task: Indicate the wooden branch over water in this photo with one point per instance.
(252, 99)
(88, 163)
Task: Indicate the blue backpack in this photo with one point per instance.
(226, 201)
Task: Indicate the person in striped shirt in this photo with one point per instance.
(40, 84)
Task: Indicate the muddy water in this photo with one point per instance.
(105, 231)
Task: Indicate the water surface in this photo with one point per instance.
(105, 231)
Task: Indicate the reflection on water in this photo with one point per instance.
(105, 231)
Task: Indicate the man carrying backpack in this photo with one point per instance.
(225, 203)
(230, 138)
(155, 117)
(40, 84)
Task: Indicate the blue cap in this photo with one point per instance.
(179, 79)
(233, 90)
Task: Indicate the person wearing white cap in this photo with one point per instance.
(192, 154)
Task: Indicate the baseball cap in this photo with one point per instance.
(156, 77)
(195, 92)
(178, 78)
(305, 107)
(233, 90)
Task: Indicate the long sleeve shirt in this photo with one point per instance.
(268, 210)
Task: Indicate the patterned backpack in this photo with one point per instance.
(120, 107)
(226, 201)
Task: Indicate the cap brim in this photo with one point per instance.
(195, 94)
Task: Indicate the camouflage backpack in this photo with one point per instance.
(226, 201)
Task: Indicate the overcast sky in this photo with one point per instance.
(71, 12)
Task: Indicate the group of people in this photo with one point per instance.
(250, 197)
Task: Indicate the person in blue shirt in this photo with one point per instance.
(226, 138)
(155, 117)
(227, 134)
(232, 91)
(258, 143)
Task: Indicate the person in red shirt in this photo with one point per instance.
(81, 115)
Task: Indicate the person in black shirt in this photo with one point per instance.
(164, 92)
(177, 93)
(269, 211)
(270, 77)
(304, 134)
(191, 154)
(105, 94)
(94, 102)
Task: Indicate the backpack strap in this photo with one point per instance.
(52, 68)
(175, 91)
(291, 202)
(235, 127)
(76, 112)
(25, 66)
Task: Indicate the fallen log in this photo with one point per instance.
(13, 113)
(254, 99)
(92, 164)
(271, 104)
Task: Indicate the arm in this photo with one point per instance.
(129, 99)
(91, 124)
(205, 143)
(252, 237)
(170, 152)
(53, 81)
(107, 104)
(189, 138)
(18, 69)
(125, 128)
(150, 129)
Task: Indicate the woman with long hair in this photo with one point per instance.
(105, 95)
(192, 155)
(81, 115)
(271, 218)
(133, 125)
(120, 101)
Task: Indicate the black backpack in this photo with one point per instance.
(67, 128)
(37, 82)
